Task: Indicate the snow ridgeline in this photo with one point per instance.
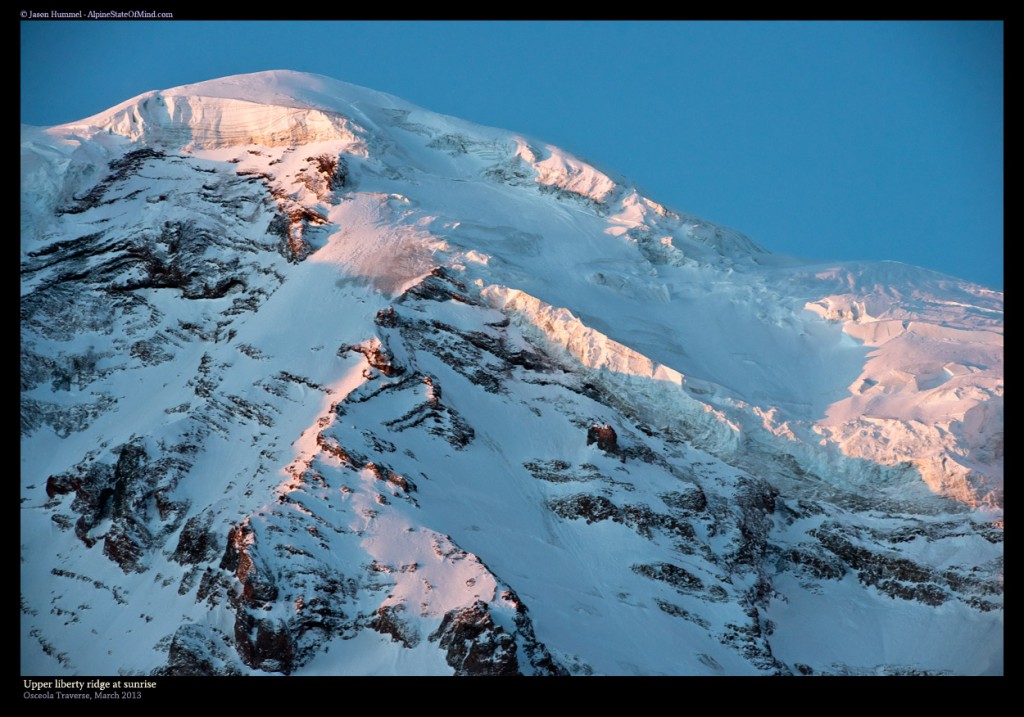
(890, 458)
(193, 122)
(655, 393)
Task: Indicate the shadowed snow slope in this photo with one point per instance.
(307, 379)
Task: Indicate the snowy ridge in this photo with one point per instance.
(316, 381)
(654, 391)
(210, 123)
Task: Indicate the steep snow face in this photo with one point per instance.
(271, 109)
(308, 378)
(211, 122)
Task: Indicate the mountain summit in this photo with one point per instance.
(315, 381)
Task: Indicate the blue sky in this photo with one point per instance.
(828, 140)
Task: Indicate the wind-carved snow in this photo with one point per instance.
(655, 391)
(210, 122)
(374, 243)
(311, 379)
(931, 392)
(565, 172)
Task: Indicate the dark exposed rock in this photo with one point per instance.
(194, 652)
(531, 360)
(387, 318)
(756, 501)
(644, 520)
(264, 643)
(197, 542)
(691, 500)
(36, 368)
(895, 576)
(387, 620)
(291, 225)
(77, 248)
(436, 418)
(240, 556)
(349, 459)
(324, 174)
(125, 494)
(151, 351)
(901, 578)
(750, 640)
(203, 383)
(820, 566)
(639, 452)
(514, 171)
(64, 419)
(595, 508)
(61, 310)
(453, 144)
(233, 550)
(677, 577)
(554, 471)
(63, 370)
(676, 611)
(376, 355)
(717, 593)
(389, 476)
(126, 548)
(83, 481)
(120, 169)
(592, 508)
(533, 650)
(474, 644)
(320, 613)
(439, 285)
(302, 381)
(460, 355)
(839, 669)
(604, 436)
(599, 208)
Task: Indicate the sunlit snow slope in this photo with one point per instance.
(307, 379)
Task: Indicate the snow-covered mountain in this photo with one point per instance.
(315, 381)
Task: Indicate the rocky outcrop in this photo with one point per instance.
(429, 413)
(130, 501)
(679, 578)
(756, 500)
(897, 576)
(325, 173)
(377, 357)
(605, 438)
(439, 285)
(594, 508)
(388, 620)
(195, 652)
(240, 557)
(263, 642)
(689, 501)
(197, 542)
(121, 169)
(534, 651)
(474, 645)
